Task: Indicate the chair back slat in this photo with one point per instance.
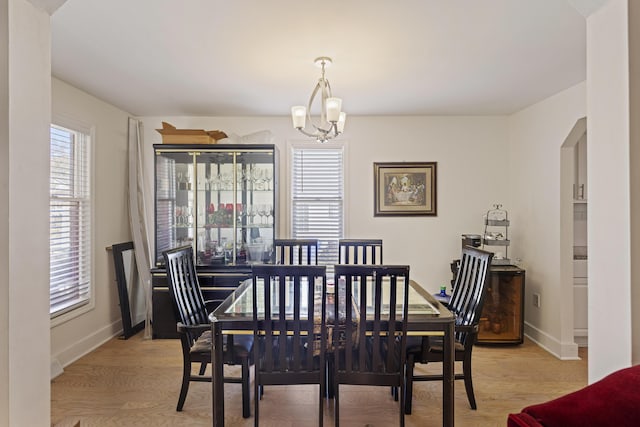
(360, 251)
(187, 300)
(375, 328)
(286, 331)
(296, 251)
(469, 288)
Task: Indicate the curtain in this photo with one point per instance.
(137, 216)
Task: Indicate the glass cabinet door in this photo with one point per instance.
(175, 201)
(221, 201)
(256, 231)
(216, 207)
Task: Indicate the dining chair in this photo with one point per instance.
(290, 331)
(296, 251)
(194, 328)
(356, 251)
(466, 304)
(360, 251)
(370, 343)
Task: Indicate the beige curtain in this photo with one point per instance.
(137, 216)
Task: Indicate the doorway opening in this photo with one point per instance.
(574, 238)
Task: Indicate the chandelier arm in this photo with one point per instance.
(326, 93)
(311, 98)
(329, 95)
(321, 135)
(325, 131)
(314, 135)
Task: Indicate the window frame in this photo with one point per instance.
(309, 144)
(79, 126)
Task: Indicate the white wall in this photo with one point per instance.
(4, 213)
(471, 153)
(24, 284)
(609, 213)
(536, 135)
(79, 335)
(634, 153)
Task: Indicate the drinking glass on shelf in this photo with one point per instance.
(256, 178)
(178, 215)
(214, 182)
(262, 211)
(187, 180)
(227, 181)
(251, 212)
(270, 214)
(180, 181)
(268, 177)
(240, 178)
(189, 215)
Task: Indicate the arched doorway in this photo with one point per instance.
(574, 227)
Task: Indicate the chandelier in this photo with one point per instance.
(331, 122)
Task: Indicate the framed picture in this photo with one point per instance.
(405, 189)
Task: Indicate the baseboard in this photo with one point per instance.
(563, 351)
(83, 346)
(581, 337)
(56, 368)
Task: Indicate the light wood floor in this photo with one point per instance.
(136, 383)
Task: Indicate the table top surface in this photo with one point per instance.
(423, 307)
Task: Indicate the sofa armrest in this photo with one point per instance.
(613, 401)
(522, 420)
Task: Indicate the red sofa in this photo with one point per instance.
(614, 401)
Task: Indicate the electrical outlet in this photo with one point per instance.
(536, 300)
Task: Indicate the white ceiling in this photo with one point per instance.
(255, 57)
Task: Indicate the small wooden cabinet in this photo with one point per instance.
(502, 320)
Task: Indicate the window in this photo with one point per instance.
(69, 220)
(317, 193)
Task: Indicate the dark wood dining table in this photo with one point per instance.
(427, 317)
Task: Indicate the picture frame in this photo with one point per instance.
(405, 189)
(130, 290)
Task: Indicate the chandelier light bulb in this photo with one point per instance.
(299, 116)
(341, 120)
(333, 109)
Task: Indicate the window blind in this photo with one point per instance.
(69, 220)
(165, 205)
(317, 189)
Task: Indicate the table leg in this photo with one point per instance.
(448, 376)
(217, 380)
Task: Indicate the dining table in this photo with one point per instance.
(426, 317)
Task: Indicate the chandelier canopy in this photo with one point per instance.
(331, 121)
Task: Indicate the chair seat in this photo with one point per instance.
(203, 344)
(242, 345)
(414, 345)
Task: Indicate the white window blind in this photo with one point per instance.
(317, 189)
(69, 220)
